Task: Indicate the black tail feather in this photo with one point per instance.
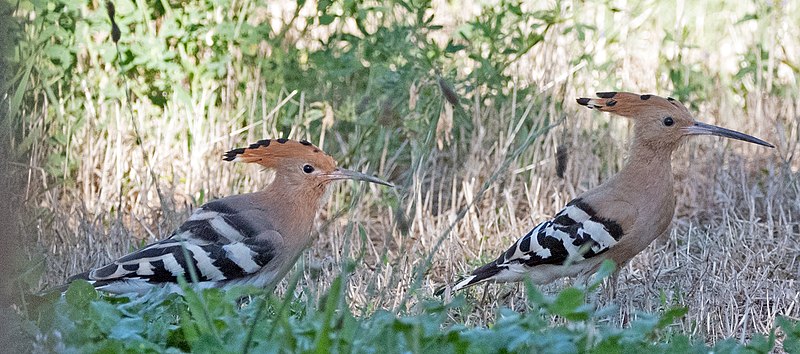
(484, 273)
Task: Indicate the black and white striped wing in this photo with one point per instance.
(574, 234)
(219, 242)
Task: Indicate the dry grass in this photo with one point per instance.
(732, 257)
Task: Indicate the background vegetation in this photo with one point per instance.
(463, 106)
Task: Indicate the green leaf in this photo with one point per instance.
(670, 316)
(16, 100)
(323, 341)
(80, 294)
(570, 304)
(128, 329)
(748, 17)
(791, 342)
(567, 301)
(104, 315)
(453, 48)
(762, 344)
(326, 19)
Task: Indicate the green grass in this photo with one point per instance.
(250, 321)
(98, 172)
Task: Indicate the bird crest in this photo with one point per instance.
(631, 105)
(660, 123)
(271, 153)
(617, 219)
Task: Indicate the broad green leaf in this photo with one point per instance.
(80, 294)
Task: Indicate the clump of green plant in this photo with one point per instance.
(249, 320)
(178, 54)
(372, 76)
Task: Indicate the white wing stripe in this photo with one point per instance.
(183, 236)
(586, 228)
(118, 272)
(542, 252)
(145, 268)
(242, 255)
(201, 214)
(576, 213)
(204, 263)
(599, 234)
(172, 265)
(566, 241)
(225, 230)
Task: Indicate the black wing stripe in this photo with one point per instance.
(242, 255)
(240, 224)
(219, 207)
(264, 251)
(204, 262)
(212, 262)
(169, 266)
(217, 241)
(525, 244)
(202, 230)
(612, 227)
(153, 251)
(104, 272)
(580, 204)
(214, 225)
(159, 264)
(558, 253)
(211, 226)
(563, 220)
(160, 274)
(574, 233)
(229, 268)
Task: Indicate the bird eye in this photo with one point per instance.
(668, 121)
(308, 168)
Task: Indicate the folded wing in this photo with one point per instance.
(574, 234)
(219, 242)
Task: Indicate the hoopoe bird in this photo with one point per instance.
(252, 238)
(617, 219)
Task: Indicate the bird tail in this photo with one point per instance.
(58, 289)
(62, 288)
(480, 275)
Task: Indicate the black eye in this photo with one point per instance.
(668, 121)
(308, 168)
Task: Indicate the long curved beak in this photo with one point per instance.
(343, 173)
(699, 128)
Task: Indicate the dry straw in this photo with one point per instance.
(733, 257)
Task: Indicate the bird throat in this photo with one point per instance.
(294, 205)
(647, 176)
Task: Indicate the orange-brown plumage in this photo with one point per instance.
(252, 238)
(622, 216)
(278, 152)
